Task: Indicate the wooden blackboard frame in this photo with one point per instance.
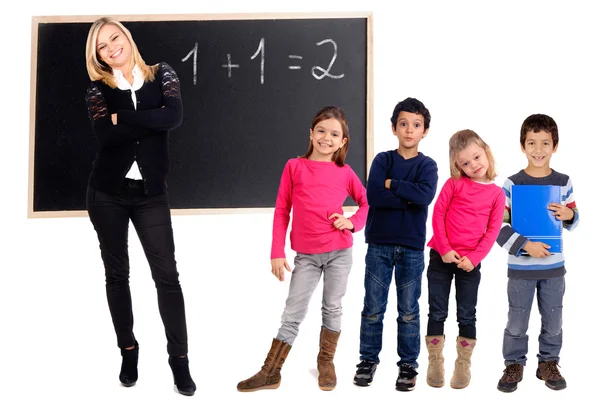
(37, 20)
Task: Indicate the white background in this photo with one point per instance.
(479, 65)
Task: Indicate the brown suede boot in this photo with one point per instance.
(462, 367)
(269, 376)
(435, 370)
(328, 344)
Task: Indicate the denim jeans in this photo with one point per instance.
(407, 266)
(335, 267)
(439, 280)
(520, 300)
(151, 217)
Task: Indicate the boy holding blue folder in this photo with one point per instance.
(531, 218)
(532, 266)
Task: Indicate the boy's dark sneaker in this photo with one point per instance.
(549, 373)
(407, 378)
(364, 373)
(513, 374)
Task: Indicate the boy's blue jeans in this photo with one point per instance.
(407, 266)
(520, 300)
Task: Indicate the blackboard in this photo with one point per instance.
(250, 86)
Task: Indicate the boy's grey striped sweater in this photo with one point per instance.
(524, 266)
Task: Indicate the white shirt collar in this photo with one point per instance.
(124, 84)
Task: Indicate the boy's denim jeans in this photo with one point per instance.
(439, 281)
(520, 300)
(407, 265)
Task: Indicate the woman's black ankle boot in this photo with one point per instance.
(129, 372)
(181, 375)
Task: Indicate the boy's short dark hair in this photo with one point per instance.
(411, 105)
(537, 123)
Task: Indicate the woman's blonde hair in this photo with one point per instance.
(459, 142)
(97, 69)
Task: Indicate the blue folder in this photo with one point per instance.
(531, 217)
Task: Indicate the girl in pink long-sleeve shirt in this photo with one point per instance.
(315, 187)
(466, 220)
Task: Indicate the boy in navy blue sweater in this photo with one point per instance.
(401, 185)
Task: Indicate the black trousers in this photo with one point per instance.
(151, 218)
(439, 279)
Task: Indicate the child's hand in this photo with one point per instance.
(561, 212)
(113, 118)
(341, 222)
(388, 183)
(537, 249)
(465, 264)
(277, 266)
(451, 257)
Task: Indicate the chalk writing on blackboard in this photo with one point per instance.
(317, 72)
(326, 72)
(229, 66)
(295, 56)
(261, 50)
(193, 52)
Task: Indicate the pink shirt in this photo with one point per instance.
(315, 190)
(467, 218)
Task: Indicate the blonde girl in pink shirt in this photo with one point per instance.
(315, 186)
(466, 220)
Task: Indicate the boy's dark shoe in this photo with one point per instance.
(513, 374)
(407, 378)
(549, 373)
(364, 373)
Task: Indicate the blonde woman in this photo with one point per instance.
(132, 107)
